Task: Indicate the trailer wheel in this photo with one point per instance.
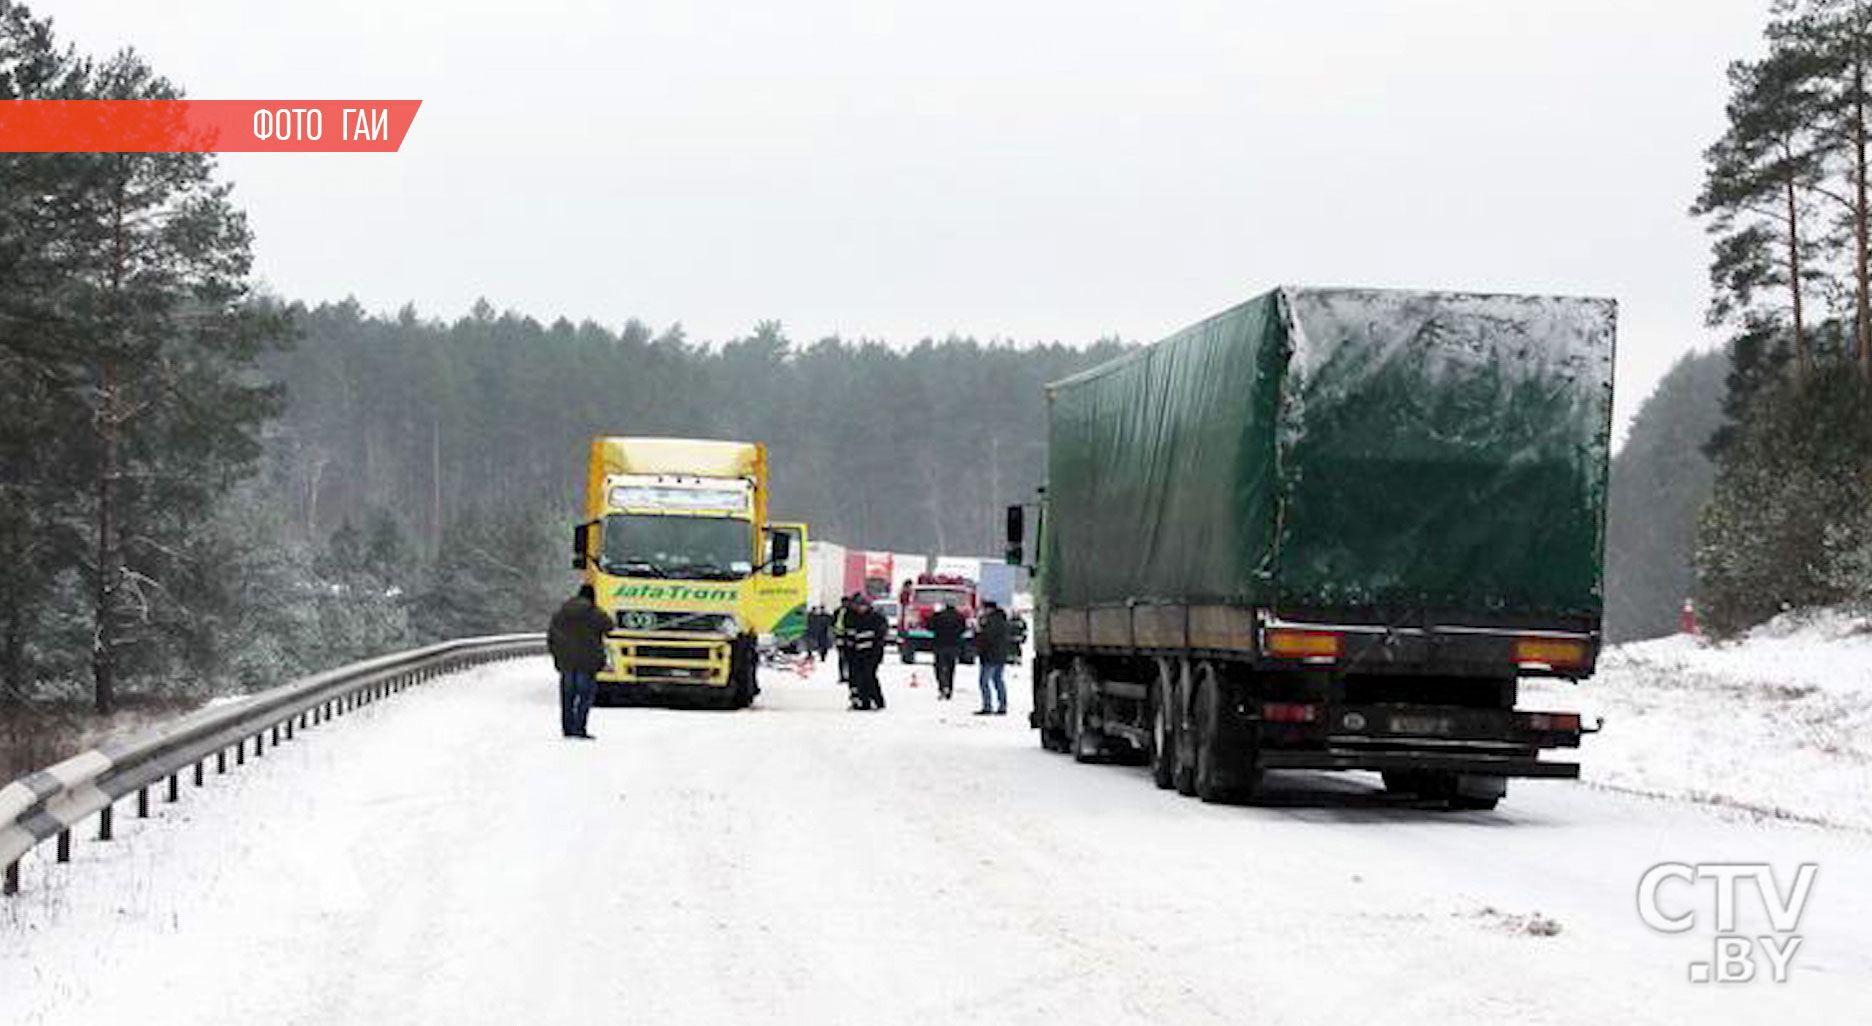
(1183, 731)
(1163, 753)
(1474, 792)
(1400, 782)
(1208, 717)
(1088, 742)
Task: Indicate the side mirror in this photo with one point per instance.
(781, 554)
(1016, 531)
(581, 544)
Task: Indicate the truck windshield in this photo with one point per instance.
(939, 596)
(707, 548)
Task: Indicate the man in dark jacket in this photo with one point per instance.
(865, 629)
(991, 646)
(840, 621)
(819, 632)
(576, 639)
(948, 630)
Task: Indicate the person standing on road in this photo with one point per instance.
(865, 629)
(991, 647)
(840, 638)
(947, 631)
(819, 628)
(576, 639)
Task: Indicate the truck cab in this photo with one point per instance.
(676, 536)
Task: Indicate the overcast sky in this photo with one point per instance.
(1025, 169)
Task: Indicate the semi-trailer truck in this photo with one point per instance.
(1327, 529)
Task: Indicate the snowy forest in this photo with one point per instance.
(208, 489)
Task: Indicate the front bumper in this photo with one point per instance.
(666, 661)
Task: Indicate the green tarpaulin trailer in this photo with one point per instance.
(1415, 478)
(1343, 448)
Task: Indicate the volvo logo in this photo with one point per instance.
(1354, 721)
(637, 620)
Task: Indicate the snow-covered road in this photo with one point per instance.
(444, 857)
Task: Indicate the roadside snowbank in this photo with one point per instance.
(1778, 722)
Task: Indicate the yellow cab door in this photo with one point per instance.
(774, 607)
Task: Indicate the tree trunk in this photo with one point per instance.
(1794, 278)
(103, 637)
(435, 483)
(13, 652)
(104, 587)
(1863, 265)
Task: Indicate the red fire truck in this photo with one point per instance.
(920, 599)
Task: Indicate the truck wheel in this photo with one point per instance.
(742, 686)
(1400, 782)
(1477, 793)
(1183, 731)
(1053, 738)
(1163, 728)
(1088, 741)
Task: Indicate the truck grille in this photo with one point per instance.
(694, 653)
(666, 620)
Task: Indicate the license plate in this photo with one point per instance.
(1437, 725)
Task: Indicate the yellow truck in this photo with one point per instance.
(674, 542)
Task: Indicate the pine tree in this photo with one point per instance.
(161, 335)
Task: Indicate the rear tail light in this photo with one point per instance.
(1554, 653)
(1544, 721)
(1312, 646)
(1290, 712)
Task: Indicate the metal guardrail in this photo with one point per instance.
(51, 802)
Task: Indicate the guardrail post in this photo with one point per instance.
(240, 752)
(142, 803)
(64, 846)
(11, 884)
(276, 735)
(104, 823)
(175, 787)
(221, 761)
(260, 744)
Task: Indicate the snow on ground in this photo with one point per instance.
(445, 857)
(1777, 723)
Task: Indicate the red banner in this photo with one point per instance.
(205, 126)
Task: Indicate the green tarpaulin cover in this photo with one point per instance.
(1354, 450)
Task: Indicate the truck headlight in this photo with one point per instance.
(730, 627)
